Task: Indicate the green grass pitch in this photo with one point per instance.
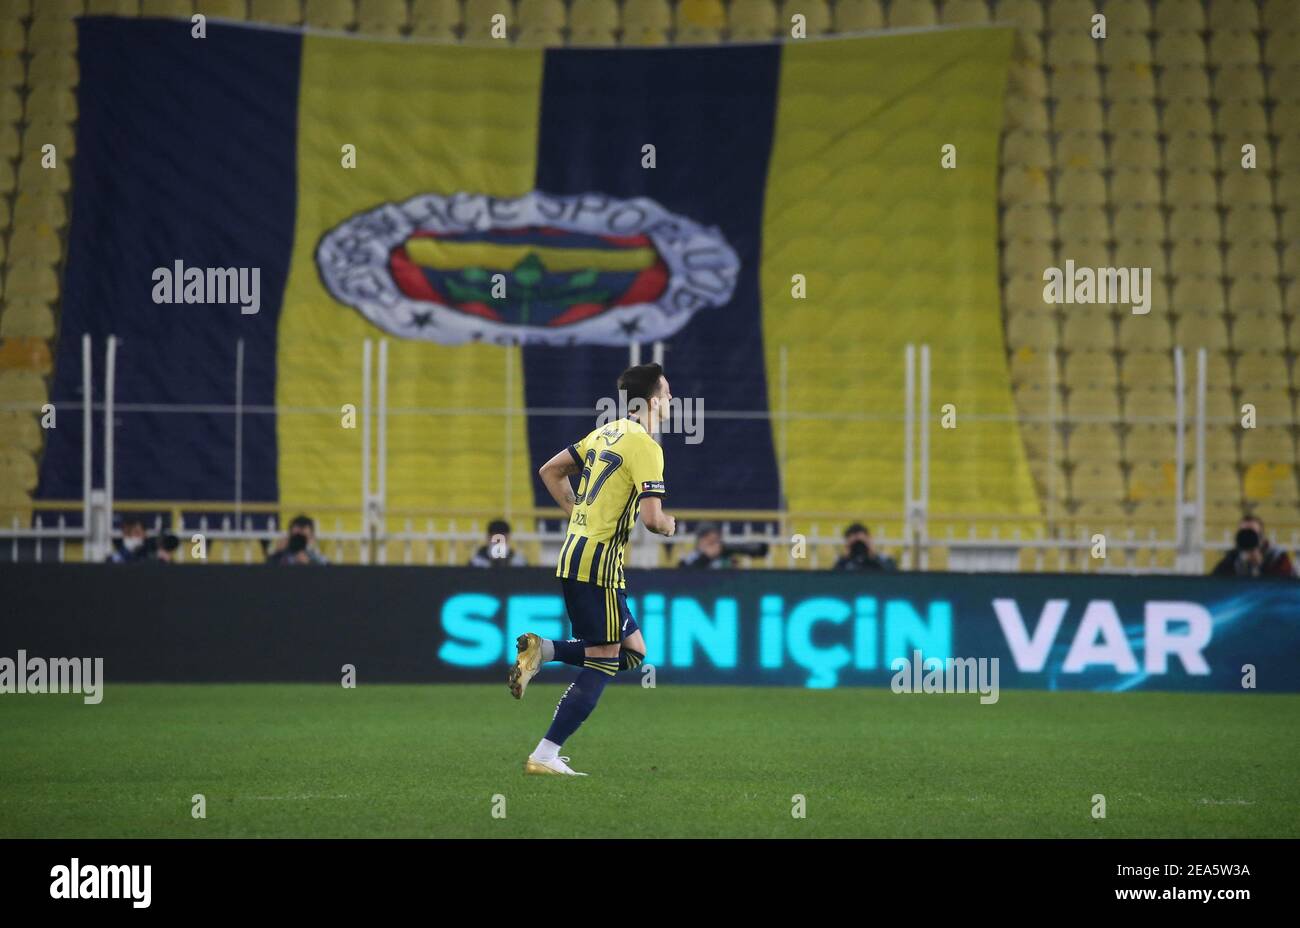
(427, 761)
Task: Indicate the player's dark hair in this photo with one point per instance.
(641, 381)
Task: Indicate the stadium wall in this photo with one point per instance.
(434, 625)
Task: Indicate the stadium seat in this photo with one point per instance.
(1265, 442)
(1250, 224)
(1233, 48)
(52, 71)
(963, 12)
(1027, 258)
(1183, 82)
(542, 15)
(113, 7)
(1070, 15)
(753, 22)
(1080, 188)
(1195, 329)
(1183, 116)
(1179, 48)
(1241, 187)
(1027, 80)
(1149, 442)
(1256, 330)
(1088, 329)
(1281, 14)
(1193, 292)
(1071, 48)
(330, 14)
(1190, 187)
(1282, 49)
(644, 19)
(1078, 114)
(52, 35)
(1189, 257)
(1179, 16)
(1126, 49)
(1097, 481)
(1139, 222)
(1029, 221)
(1148, 332)
(442, 18)
(1030, 149)
(1083, 252)
(1093, 441)
(1135, 186)
(169, 9)
(911, 13)
(1074, 81)
(388, 17)
(1031, 329)
(1084, 223)
(1132, 116)
(1135, 151)
(26, 318)
(1252, 259)
(1130, 82)
(1127, 16)
(1089, 367)
(1081, 150)
(39, 244)
(276, 12)
(1027, 14)
(1194, 224)
(858, 15)
(1025, 185)
(1026, 113)
(1239, 82)
(1147, 369)
(1190, 151)
(1251, 294)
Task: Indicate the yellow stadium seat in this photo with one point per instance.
(1071, 48)
(817, 16)
(1147, 369)
(1290, 233)
(9, 149)
(646, 37)
(1028, 221)
(700, 21)
(1081, 150)
(1286, 117)
(911, 13)
(1239, 82)
(1127, 16)
(1196, 292)
(1031, 149)
(1255, 294)
(1132, 116)
(597, 38)
(1139, 222)
(441, 18)
(1193, 257)
(1181, 116)
(1070, 15)
(277, 12)
(643, 15)
(1130, 82)
(1271, 442)
(36, 244)
(1180, 15)
(1134, 186)
(1141, 254)
(1136, 151)
(173, 9)
(1201, 330)
(1083, 252)
(1271, 482)
(540, 37)
(1025, 185)
(1183, 82)
(1241, 121)
(1031, 330)
(1190, 150)
(330, 14)
(32, 177)
(1239, 15)
(1241, 187)
(1284, 83)
(1179, 48)
(25, 354)
(1125, 49)
(113, 7)
(1149, 332)
(1087, 404)
(26, 318)
(542, 14)
(388, 17)
(1080, 187)
(753, 22)
(1234, 48)
(1087, 328)
(1194, 224)
(1150, 404)
(52, 35)
(1281, 14)
(1252, 259)
(19, 431)
(1026, 79)
(13, 73)
(1148, 443)
(1084, 223)
(1089, 367)
(963, 12)
(1252, 331)
(1027, 14)
(479, 18)
(1076, 80)
(1078, 114)
(13, 37)
(1093, 441)
(1259, 366)
(53, 71)
(1282, 49)
(1190, 187)
(41, 207)
(23, 387)
(223, 9)
(1026, 113)
(53, 103)
(58, 9)
(1027, 258)
(1291, 260)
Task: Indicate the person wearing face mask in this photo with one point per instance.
(134, 547)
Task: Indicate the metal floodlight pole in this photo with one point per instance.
(923, 512)
(110, 375)
(239, 426)
(1180, 454)
(1201, 371)
(366, 349)
(381, 479)
(909, 415)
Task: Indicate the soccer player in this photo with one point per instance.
(622, 471)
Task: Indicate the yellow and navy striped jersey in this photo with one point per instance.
(621, 463)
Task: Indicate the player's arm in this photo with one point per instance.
(654, 517)
(555, 473)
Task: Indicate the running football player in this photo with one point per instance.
(622, 475)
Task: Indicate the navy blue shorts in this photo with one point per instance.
(598, 614)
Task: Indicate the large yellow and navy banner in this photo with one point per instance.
(511, 220)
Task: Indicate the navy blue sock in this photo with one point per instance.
(572, 652)
(580, 698)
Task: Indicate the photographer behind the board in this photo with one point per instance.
(1254, 555)
(299, 546)
(712, 553)
(859, 554)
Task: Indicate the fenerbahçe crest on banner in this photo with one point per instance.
(536, 269)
